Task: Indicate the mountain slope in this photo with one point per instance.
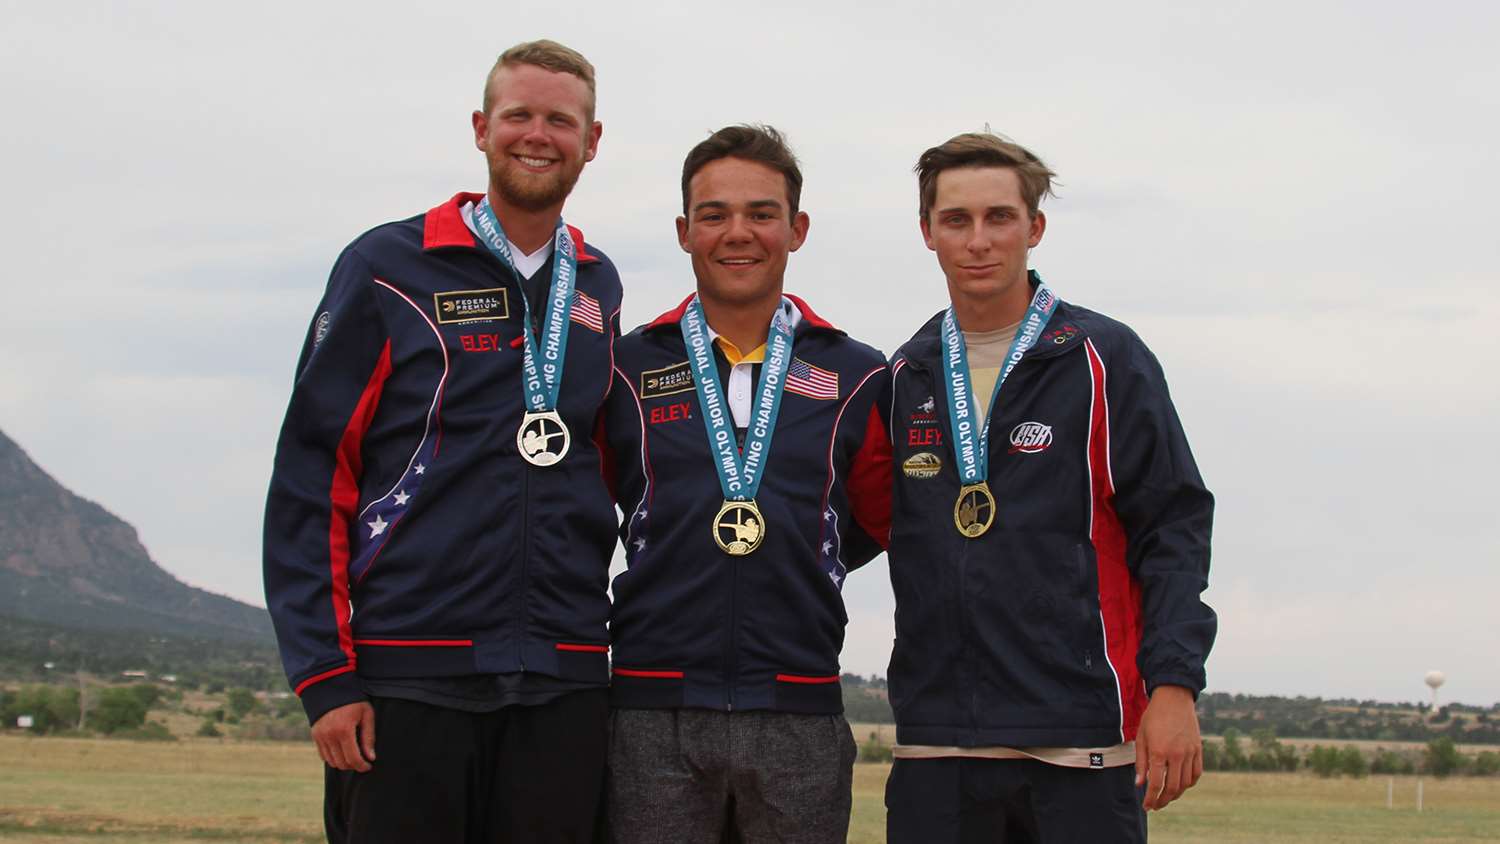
(67, 561)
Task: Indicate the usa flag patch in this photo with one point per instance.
(804, 379)
(586, 311)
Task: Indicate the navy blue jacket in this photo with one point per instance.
(405, 536)
(1051, 629)
(693, 626)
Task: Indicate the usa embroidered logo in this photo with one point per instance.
(1062, 334)
(1030, 438)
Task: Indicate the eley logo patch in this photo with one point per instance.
(925, 414)
(667, 381)
(1030, 438)
(671, 412)
(454, 306)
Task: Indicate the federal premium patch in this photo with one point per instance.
(471, 305)
(922, 465)
(667, 381)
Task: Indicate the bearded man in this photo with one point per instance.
(438, 532)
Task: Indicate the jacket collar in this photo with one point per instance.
(444, 228)
(1062, 333)
(809, 319)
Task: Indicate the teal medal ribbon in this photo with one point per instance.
(541, 359)
(739, 526)
(974, 512)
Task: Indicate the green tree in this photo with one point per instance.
(1487, 764)
(51, 708)
(1234, 755)
(1324, 761)
(147, 693)
(1353, 762)
(1443, 757)
(1213, 756)
(1390, 762)
(874, 750)
(241, 702)
(117, 709)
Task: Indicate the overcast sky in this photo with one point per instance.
(1290, 202)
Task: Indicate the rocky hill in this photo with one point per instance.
(68, 562)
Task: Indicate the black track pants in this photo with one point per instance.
(442, 776)
(960, 800)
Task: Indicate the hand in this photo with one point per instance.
(346, 737)
(1168, 749)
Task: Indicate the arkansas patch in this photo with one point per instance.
(667, 381)
(922, 465)
(471, 305)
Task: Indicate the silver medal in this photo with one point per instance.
(542, 438)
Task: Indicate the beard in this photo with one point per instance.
(532, 191)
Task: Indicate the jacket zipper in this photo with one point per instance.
(731, 653)
(525, 585)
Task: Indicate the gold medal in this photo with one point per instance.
(537, 437)
(739, 527)
(974, 511)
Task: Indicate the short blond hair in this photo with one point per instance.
(548, 55)
(983, 149)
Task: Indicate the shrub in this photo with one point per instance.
(116, 709)
(1324, 761)
(1353, 762)
(1443, 757)
(1234, 755)
(149, 731)
(874, 750)
(208, 729)
(241, 702)
(1487, 764)
(1390, 762)
(52, 708)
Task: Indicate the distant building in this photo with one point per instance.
(134, 675)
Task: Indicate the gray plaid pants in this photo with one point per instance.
(700, 776)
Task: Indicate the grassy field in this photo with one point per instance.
(887, 735)
(95, 791)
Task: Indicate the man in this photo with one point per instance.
(1050, 638)
(438, 533)
(753, 469)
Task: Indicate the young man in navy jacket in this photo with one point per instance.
(752, 465)
(1050, 638)
(438, 533)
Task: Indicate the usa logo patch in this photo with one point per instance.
(1030, 438)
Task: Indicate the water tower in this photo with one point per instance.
(1433, 680)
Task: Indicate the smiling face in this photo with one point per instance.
(739, 229)
(981, 231)
(537, 136)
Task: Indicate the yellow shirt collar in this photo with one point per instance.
(732, 352)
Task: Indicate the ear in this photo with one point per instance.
(800, 222)
(481, 128)
(926, 225)
(591, 141)
(1038, 227)
(682, 232)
